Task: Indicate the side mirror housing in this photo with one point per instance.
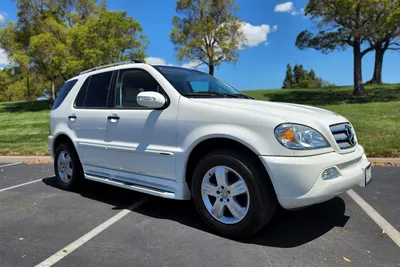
(151, 99)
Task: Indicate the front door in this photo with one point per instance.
(140, 140)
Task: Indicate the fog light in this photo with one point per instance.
(330, 173)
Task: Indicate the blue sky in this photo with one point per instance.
(271, 36)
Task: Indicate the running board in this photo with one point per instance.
(132, 186)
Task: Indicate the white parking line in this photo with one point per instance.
(378, 219)
(19, 185)
(85, 238)
(11, 164)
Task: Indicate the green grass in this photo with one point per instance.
(376, 124)
(375, 116)
(24, 128)
(330, 96)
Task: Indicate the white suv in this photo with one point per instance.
(182, 134)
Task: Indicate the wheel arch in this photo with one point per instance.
(62, 138)
(211, 144)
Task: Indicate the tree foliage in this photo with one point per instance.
(299, 77)
(340, 24)
(56, 39)
(289, 81)
(207, 32)
(385, 35)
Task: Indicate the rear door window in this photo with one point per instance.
(94, 92)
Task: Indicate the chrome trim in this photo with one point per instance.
(349, 164)
(135, 150)
(344, 135)
(132, 186)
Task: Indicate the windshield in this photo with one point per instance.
(193, 83)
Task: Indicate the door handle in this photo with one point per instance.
(72, 117)
(113, 117)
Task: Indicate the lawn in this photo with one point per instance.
(375, 116)
(24, 127)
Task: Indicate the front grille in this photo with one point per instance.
(344, 135)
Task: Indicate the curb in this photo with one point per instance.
(13, 159)
(385, 160)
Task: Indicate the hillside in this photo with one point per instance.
(329, 96)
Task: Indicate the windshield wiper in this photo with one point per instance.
(211, 94)
(243, 96)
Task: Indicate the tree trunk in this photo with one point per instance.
(358, 84)
(211, 70)
(28, 85)
(9, 93)
(377, 77)
(53, 90)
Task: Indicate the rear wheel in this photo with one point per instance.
(67, 166)
(232, 193)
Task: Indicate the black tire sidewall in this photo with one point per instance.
(77, 172)
(260, 202)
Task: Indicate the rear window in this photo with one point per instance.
(62, 94)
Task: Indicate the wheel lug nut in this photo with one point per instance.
(229, 192)
(218, 192)
(222, 187)
(221, 199)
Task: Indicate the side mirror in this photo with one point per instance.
(151, 99)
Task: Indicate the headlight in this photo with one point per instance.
(299, 137)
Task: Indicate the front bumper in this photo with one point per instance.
(297, 180)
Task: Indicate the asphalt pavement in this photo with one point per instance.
(38, 221)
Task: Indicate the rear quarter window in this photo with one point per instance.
(62, 94)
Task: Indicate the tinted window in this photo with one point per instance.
(80, 99)
(62, 94)
(97, 91)
(130, 83)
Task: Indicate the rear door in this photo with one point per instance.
(88, 119)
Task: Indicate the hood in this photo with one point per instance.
(286, 111)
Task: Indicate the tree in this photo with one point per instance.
(17, 51)
(55, 39)
(113, 36)
(341, 23)
(48, 53)
(289, 78)
(208, 32)
(386, 35)
(301, 78)
(311, 75)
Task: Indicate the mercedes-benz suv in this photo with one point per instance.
(182, 134)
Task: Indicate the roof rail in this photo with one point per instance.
(112, 64)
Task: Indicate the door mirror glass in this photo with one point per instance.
(151, 99)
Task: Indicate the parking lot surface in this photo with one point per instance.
(39, 220)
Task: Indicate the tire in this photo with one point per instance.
(260, 193)
(74, 178)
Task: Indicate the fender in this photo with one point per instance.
(260, 145)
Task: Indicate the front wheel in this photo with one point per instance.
(232, 193)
